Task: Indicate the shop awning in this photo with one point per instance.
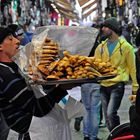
(82, 2)
(68, 14)
(65, 8)
(88, 7)
(89, 12)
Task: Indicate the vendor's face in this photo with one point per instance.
(106, 32)
(10, 46)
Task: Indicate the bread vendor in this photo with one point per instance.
(18, 103)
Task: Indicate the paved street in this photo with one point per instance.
(103, 132)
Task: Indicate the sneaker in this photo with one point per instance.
(86, 138)
(77, 125)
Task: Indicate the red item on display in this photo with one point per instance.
(128, 137)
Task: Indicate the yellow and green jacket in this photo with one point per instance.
(123, 57)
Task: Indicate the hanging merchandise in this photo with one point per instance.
(15, 5)
(18, 9)
(121, 9)
(120, 2)
(134, 6)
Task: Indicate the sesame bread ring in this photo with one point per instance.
(48, 51)
(47, 55)
(44, 62)
(51, 43)
(50, 47)
(47, 58)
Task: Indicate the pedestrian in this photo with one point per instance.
(134, 111)
(91, 100)
(18, 102)
(28, 30)
(19, 33)
(126, 34)
(116, 50)
(90, 93)
(125, 30)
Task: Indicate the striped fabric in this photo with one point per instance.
(18, 103)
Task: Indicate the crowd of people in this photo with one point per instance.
(112, 43)
(19, 104)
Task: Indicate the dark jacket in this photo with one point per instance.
(18, 103)
(134, 111)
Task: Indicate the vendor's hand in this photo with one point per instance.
(132, 98)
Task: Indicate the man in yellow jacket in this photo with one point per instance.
(120, 54)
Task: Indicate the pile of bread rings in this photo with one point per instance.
(70, 66)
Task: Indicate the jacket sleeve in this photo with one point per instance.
(45, 104)
(131, 63)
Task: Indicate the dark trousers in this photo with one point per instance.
(24, 136)
(111, 98)
(4, 129)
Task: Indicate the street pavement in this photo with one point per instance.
(103, 131)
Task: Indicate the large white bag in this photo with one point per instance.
(53, 126)
(56, 124)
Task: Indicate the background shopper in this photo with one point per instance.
(90, 93)
(120, 54)
(134, 112)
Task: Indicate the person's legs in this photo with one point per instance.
(77, 123)
(91, 101)
(111, 99)
(117, 93)
(94, 115)
(86, 118)
(4, 129)
(105, 96)
(27, 136)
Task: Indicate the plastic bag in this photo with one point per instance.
(74, 108)
(53, 126)
(76, 39)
